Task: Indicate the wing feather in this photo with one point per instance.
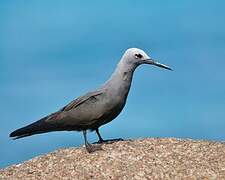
(80, 100)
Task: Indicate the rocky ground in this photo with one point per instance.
(150, 158)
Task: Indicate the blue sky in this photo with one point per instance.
(53, 51)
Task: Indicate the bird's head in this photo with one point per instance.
(137, 57)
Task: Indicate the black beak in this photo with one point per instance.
(151, 61)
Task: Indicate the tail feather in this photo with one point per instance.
(40, 126)
(21, 136)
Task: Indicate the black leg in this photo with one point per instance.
(90, 148)
(108, 141)
(99, 136)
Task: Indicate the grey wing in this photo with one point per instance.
(81, 113)
(80, 100)
(71, 117)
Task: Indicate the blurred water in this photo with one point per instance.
(53, 51)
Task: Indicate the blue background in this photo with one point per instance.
(52, 51)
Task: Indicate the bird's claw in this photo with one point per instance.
(108, 141)
(92, 148)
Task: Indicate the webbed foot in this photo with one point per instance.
(92, 148)
(108, 141)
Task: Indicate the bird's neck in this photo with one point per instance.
(124, 72)
(120, 80)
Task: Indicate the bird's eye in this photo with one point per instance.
(138, 56)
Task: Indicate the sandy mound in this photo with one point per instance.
(150, 158)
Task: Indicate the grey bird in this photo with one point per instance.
(95, 108)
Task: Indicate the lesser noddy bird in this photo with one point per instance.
(95, 108)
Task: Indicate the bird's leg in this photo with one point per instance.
(90, 148)
(99, 136)
(101, 140)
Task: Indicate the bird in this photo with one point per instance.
(95, 108)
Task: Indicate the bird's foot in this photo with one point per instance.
(92, 148)
(108, 141)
